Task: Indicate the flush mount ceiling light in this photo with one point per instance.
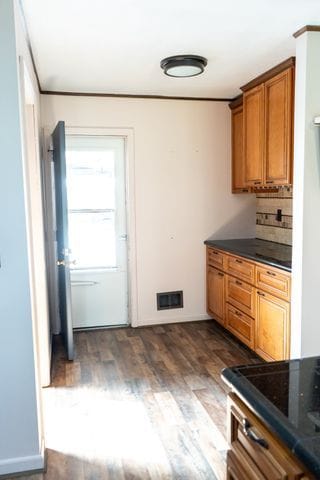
(183, 65)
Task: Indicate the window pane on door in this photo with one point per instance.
(91, 179)
(92, 239)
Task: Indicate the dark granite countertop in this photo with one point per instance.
(286, 397)
(270, 253)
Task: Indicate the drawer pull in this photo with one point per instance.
(220, 274)
(271, 273)
(256, 183)
(238, 283)
(252, 435)
(215, 253)
(238, 261)
(261, 294)
(270, 181)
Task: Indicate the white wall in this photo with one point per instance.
(182, 189)
(305, 331)
(20, 430)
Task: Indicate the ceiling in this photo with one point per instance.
(106, 46)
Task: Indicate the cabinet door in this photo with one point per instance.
(272, 327)
(216, 294)
(279, 128)
(253, 135)
(238, 170)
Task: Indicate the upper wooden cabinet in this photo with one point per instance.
(253, 136)
(262, 131)
(238, 173)
(278, 100)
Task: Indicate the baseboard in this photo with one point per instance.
(173, 319)
(29, 465)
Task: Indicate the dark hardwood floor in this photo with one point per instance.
(144, 403)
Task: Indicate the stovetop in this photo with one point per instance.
(293, 387)
(286, 396)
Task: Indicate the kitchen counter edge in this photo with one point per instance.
(219, 245)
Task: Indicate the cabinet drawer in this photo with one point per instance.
(240, 325)
(247, 435)
(215, 258)
(240, 466)
(240, 268)
(241, 295)
(274, 281)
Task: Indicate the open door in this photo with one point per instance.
(63, 253)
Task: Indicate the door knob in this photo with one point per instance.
(65, 264)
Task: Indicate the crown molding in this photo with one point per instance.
(125, 95)
(290, 62)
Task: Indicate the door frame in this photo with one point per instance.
(35, 225)
(128, 135)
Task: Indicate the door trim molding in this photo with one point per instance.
(128, 134)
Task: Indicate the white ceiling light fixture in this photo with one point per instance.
(183, 65)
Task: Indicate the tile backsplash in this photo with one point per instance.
(268, 225)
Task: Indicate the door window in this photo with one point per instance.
(91, 187)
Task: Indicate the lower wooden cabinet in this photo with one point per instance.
(250, 300)
(272, 327)
(216, 294)
(255, 453)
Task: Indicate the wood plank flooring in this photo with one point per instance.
(144, 403)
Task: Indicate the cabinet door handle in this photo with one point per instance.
(238, 283)
(238, 261)
(220, 274)
(261, 294)
(238, 313)
(271, 273)
(252, 435)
